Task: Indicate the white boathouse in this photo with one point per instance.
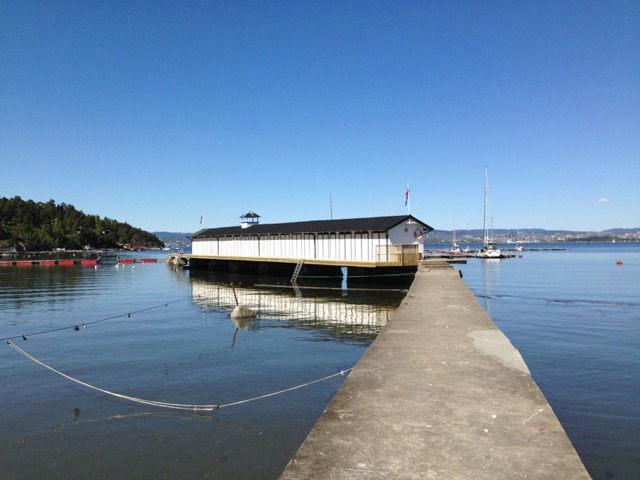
(371, 246)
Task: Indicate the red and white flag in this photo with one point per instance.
(406, 196)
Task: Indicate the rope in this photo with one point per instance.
(341, 373)
(75, 327)
(174, 406)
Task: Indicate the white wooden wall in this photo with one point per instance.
(325, 246)
(352, 246)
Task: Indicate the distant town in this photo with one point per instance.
(535, 235)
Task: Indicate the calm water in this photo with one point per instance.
(179, 345)
(575, 317)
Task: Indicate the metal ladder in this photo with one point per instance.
(296, 272)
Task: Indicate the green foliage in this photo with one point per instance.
(45, 226)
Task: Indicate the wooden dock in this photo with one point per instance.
(399, 272)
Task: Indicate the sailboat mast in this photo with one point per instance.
(454, 229)
(486, 188)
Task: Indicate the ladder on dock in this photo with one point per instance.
(296, 271)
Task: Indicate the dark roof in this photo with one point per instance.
(368, 224)
(250, 214)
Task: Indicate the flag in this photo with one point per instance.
(406, 196)
(201, 218)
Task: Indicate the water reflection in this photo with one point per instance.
(23, 286)
(338, 311)
(490, 273)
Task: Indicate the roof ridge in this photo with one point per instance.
(381, 223)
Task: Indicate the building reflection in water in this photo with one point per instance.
(353, 315)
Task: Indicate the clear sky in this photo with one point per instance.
(153, 112)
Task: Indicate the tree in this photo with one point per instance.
(43, 226)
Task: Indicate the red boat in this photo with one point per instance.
(134, 247)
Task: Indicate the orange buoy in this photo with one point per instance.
(619, 262)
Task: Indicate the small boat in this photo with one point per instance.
(135, 247)
(455, 248)
(489, 250)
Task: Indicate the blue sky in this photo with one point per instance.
(153, 112)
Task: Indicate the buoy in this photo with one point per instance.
(242, 312)
(619, 262)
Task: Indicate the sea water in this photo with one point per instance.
(165, 335)
(574, 315)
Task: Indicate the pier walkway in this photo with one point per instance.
(440, 394)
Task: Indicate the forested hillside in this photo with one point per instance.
(30, 225)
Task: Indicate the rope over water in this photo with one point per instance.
(84, 324)
(173, 406)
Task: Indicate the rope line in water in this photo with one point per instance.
(84, 324)
(174, 406)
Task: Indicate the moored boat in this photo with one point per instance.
(490, 248)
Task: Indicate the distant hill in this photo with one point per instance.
(174, 238)
(26, 225)
(622, 231)
(536, 235)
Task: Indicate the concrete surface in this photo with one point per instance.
(440, 394)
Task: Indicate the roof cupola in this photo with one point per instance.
(249, 219)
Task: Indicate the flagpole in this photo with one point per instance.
(330, 207)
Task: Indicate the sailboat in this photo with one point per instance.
(455, 248)
(490, 248)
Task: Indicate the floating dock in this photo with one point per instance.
(440, 394)
(66, 262)
(461, 255)
(361, 272)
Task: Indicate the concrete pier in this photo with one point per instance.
(440, 394)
